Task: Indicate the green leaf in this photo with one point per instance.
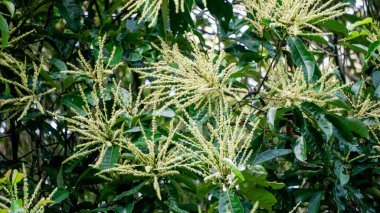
(233, 168)
(133, 57)
(271, 116)
(315, 202)
(340, 127)
(110, 157)
(343, 178)
(44, 202)
(229, 202)
(60, 65)
(117, 56)
(299, 120)
(300, 149)
(4, 31)
(71, 11)
(356, 47)
(16, 177)
(356, 126)
(258, 194)
(334, 26)
(360, 23)
(271, 154)
(371, 50)
(130, 207)
(74, 102)
(60, 180)
(7, 90)
(16, 206)
(326, 127)
(165, 13)
(376, 78)
(130, 192)
(68, 82)
(223, 11)
(60, 195)
(276, 185)
(318, 114)
(6, 178)
(10, 6)
(179, 22)
(303, 58)
(355, 88)
(167, 113)
(355, 34)
(376, 94)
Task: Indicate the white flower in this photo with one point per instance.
(292, 15)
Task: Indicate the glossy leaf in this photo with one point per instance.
(229, 202)
(270, 155)
(300, 149)
(303, 58)
(110, 157)
(4, 31)
(233, 168)
(315, 202)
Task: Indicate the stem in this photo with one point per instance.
(272, 64)
(14, 140)
(98, 11)
(46, 24)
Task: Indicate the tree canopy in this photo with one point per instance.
(189, 106)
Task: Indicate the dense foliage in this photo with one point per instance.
(190, 106)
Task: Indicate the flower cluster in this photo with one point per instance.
(292, 15)
(151, 9)
(158, 158)
(225, 150)
(288, 87)
(200, 79)
(364, 106)
(373, 31)
(101, 70)
(27, 95)
(12, 203)
(97, 127)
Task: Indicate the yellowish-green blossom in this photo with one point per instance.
(98, 127)
(26, 94)
(17, 38)
(292, 15)
(158, 158)
(225, 147)
(150, 8)
(101, 70)
(10, 200)
(287, 87)
(363, 107)
(200, 78)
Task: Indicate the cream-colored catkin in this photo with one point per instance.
(228, 143)
(28, 203)
(101, 71)
(151, 9)
(27, 96)
(201, 79)
(96, 127)
(162, 159)
(292, 15)
(363, 107)
(287, 88)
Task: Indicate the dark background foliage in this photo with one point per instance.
(317, 170)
